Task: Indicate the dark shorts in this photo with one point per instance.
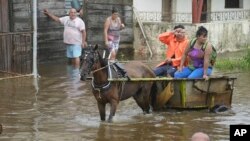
(165, 70)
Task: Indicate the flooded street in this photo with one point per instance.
(60, 107)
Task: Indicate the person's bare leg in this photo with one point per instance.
(113, 55)
(76, 62)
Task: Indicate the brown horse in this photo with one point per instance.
(113, 92)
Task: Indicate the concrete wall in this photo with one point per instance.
(229, 36)
(224, 36)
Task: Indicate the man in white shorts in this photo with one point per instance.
(74, 35)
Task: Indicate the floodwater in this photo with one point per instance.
(60, 107)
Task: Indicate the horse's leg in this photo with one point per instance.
(113, 106)
(102, 112)
(146, 91)
(142, 99)
(139, 99)
(146, 101)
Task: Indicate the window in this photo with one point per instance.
(233, 3)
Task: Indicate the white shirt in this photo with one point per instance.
(72, 30)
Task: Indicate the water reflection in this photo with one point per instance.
(58, 106)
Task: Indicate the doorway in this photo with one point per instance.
(204, 12)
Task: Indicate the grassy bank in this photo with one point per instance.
(239, 63)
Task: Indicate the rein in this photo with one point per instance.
(102, 87)
(94, 71)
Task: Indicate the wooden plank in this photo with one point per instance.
(170, 79)
(4, 16)
(50, 34)
(52, 5)
(20, 1)
(114, 2)
(14, 33)
(1, 11)
(21, 7)
(188, 94)
(47, 50)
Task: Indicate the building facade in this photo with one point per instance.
(182, 11)
(226, 20)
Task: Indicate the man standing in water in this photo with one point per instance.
(74, 35)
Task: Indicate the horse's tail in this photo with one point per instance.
(153, 93)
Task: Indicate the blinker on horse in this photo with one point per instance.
(113, 92)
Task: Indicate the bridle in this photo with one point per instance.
(93, 57)
(91, 61)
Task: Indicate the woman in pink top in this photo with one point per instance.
(112, 28)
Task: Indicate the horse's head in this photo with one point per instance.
(89, 62)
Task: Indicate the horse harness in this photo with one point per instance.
(100, 88)
(107, 85)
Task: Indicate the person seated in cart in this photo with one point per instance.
(176, 42)
(201, 56)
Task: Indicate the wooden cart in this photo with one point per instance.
(189, 93)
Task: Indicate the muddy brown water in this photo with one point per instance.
(60, 107)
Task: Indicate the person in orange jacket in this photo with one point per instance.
(176, 42)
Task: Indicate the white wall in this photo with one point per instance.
(217, 5)
(246, 4)
(184, 6)
(148, 5)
